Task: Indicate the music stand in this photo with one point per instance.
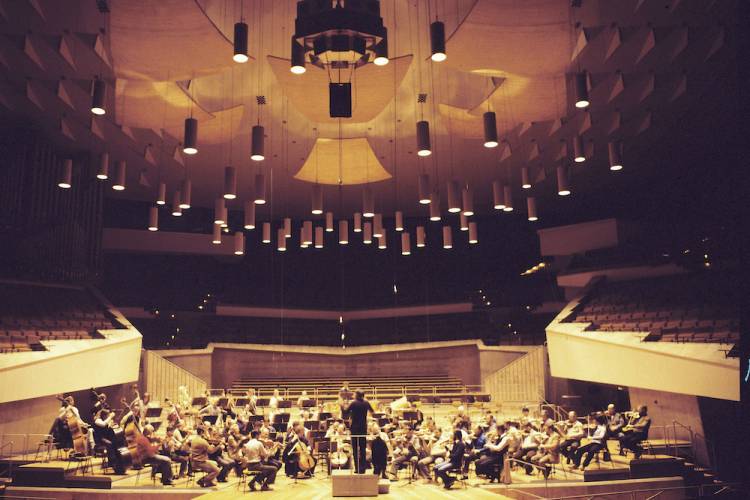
(223, 402)
(199, 401)
(280, 426)
(241, 401)
(411, 417)
(216, 392)
(280, 418)
(382, 421)
(153, 412)
(285, 404)
(325, 415)
(211, 419)
(312, 425)
(309, 403)
(255, 418)
(262, 402)
(156, 424)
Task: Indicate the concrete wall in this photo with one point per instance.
(198, 363)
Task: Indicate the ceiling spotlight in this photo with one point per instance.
(307, 232)
(287, 227)
(405, 243)
(120, 168)
(329, 222)
(582, 90)
(187, 194)
(525, 182)
(367, 233)
(161, 195)
(464, 222)
(153, 218)
(317, 199)
(420, 237)
(281, 240)
(435, 207)
(531, 209)
(230, 182)
(260, 189)
(249, 214)
(266, 236)
(343, 232)
(423, 138)
(447, 238)
(357, 222)
(298, 57)
(579, 151)
(381, 53)
(467, 197)
(239, 243)
(615, 157)
(98, 97)
(66, 178)
(377, 225)
(257, 143)
(216, 238)
(437, 41)
(103, 173)
(473, 239)
(190, 137)
(399, 220)
(382, 244)
(240, 42)
(490, 130)
(176, 208)
(220, 211)
(508, 199)
(563, 187)
(498, 200)
(368, 202)
(424, 189)
(454, 204)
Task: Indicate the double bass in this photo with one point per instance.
(130, 455)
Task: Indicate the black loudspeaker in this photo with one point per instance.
(341, 100)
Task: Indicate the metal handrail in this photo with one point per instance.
(700, 489)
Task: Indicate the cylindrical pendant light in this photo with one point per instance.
(434, 206)
(367, 233)
(467, 199)
(220, 211)
(230, 182)
(420, 237)
(490, 130)
(563, 186)
(176, 208)
(120, 171)
(319, 237)
(377, 225)
(405, 243)
(103, 173)
(161, 196)
(249, 214)
(508, 199)
(531, 209)
(343, 232)
(381, 52)
(329, 222)
(287, 227)
(473, 239)
(308, 232)
(99, 97)
(579, 152)
(266, 236)
(382, 244)
(437, 41)
(239, 243)
(357, 222)
(399, 220)
(525, 182)
(302, 243)
(464, 222)
(615, 156)
(582, 90)
(424, 189)
(66, 176)
(153, 218)
(298, 57)
(447, 237)
(240, 43)
(260, 189)
(368, 202)
(317, 199)
(498, 196)
(454, 197)
(281, 240)
(186, 194)
(258, 140)
(423, 138)
(216, 239)
(190, 137)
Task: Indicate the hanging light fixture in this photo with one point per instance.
(161, 195)
(434, 207)
(120, 168)
(343, 232)
(368, 202)
(186, 194)
(230, 182)
(367, 233)
(153, 218)
(357, 222)
(508, 197)
(531, 209)
(454, 203)
(99, 97)
(382, 244)
(615, 156)
(103, 173)
(498, 196)
(490, 130)
(318, 236)
(579, 151)
(176, 208)
(437, 41)
(239, 243)
(302, 243)
(220, 211)
(308, 232)
(525, 182)
(423, 138)
(467, 197)
(266, 236)
(298, 57)
(399, 220)
(66, 177)
(190, 136)
(377, 225)
(260, 189)
(381, 53)
(405, 243)
(420, 237)
(249, 214)
(473, 239)
(317, 199)
(287, 227)
(464, 222)
(216, 239)
(257, 143)
(582, 90)
(424, 189)
(447, 237)
(329, 222)
(281, 240)
(563, 186)
(240, 43)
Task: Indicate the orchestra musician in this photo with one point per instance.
(476, 447)
(490, 464)
(437, 446)
(636, 431)
(171, 446)
(529, 446)
(406, 449)
(598, 441)
(573, 431)
(549, 451)
(218, 454)
(380, 446)
(255, 452)
(615, 423)
(148, 451)
(199, 449)
(454, 461)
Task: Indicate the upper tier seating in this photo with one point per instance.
(695, 307)
(30, 314)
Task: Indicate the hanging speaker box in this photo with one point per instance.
(340, 100)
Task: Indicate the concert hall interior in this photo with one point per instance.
(466, 249)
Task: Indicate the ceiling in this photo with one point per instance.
(165, 60)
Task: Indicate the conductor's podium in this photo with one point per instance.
(346, 484)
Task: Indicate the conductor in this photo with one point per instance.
(357, 410)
